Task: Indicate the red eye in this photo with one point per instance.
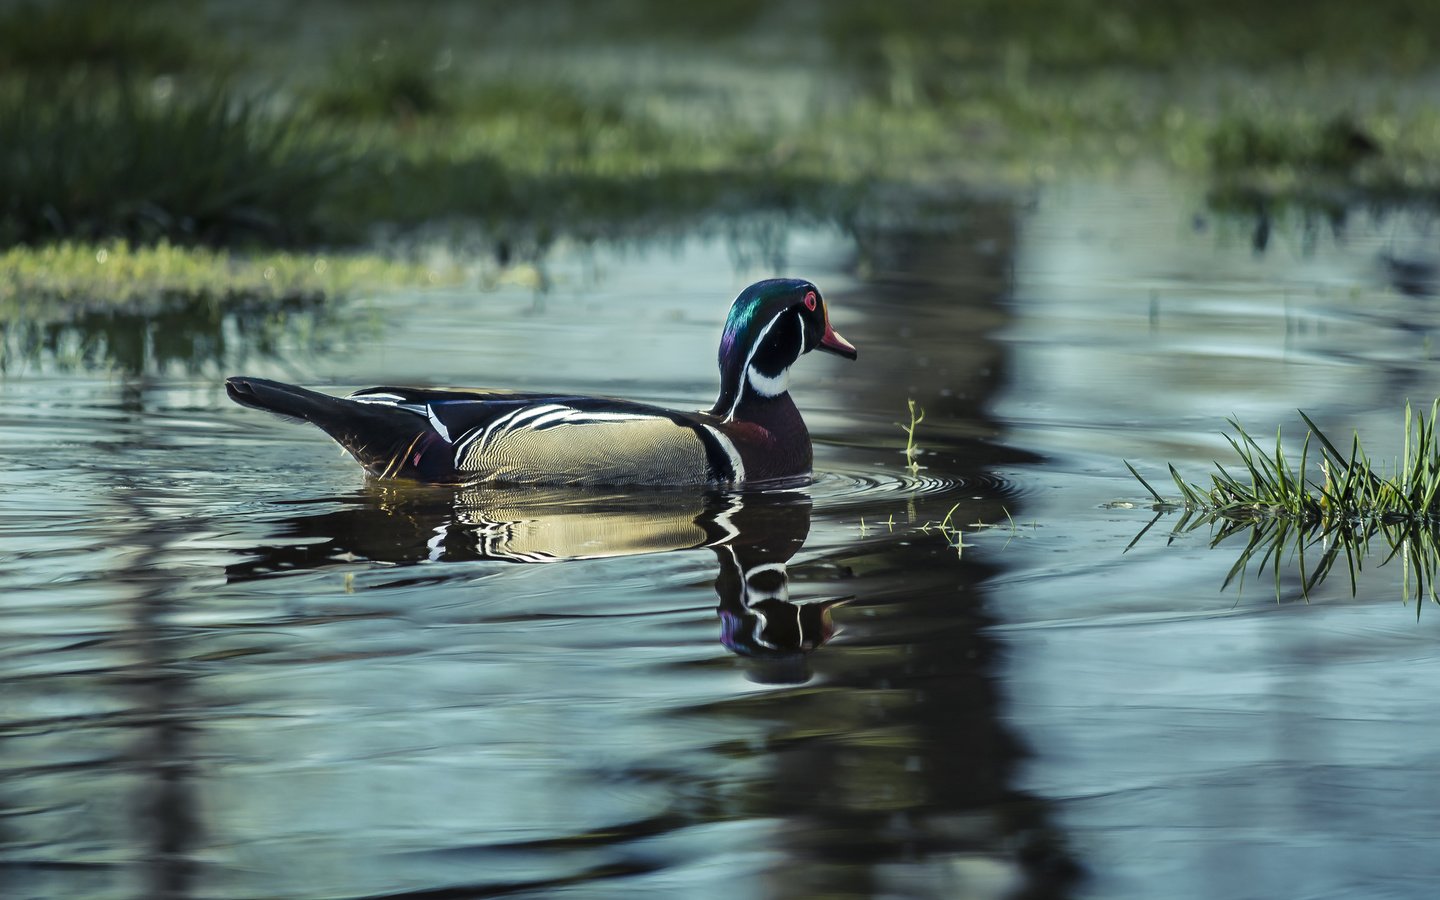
(810, 301)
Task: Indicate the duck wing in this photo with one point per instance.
(511, 437)
(533, 438)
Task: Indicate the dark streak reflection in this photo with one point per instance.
(884, 763)
(899, 753)
(888, 762)
(166, 803)
(927, 770)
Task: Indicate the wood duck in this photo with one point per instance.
(753, 434)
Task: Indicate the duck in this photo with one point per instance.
(752, 435)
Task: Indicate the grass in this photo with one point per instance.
(383, 80)
(1321, 507)
(529, 161)
(460, 122)
(45, 282)
(122, 36)
(179, 334)
(1317, 549)
(208, 166)
(1065, 36)
(953, 532)
(1339, 487)
(158, 308)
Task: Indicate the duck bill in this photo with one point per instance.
(833, 342)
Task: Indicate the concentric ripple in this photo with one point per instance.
(852, 485)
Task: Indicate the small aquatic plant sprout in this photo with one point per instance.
(1340, 486)
(917, 415)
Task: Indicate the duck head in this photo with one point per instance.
(771, 324)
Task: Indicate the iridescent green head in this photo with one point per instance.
(771, 324)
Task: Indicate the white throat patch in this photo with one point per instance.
(767, 386)
(764, 385)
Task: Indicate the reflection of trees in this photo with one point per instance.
(884, 766)
(897, 771)
(166, 805)
(896, 774)
(896, 754)
(185, 333)
(101, 722)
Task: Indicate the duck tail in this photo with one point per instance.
(388, 441)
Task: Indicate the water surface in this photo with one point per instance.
(233, 668)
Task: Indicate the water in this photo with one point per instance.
(232, 668)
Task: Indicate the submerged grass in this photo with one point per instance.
(1317, 549)
(1349, 487)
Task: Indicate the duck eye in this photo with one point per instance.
(810, 301)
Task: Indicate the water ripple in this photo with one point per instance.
(853, 485)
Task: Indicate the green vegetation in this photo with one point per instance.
(133, 120)
(1349, 487)
(80, 161)
(953, 532)
(917, 415)
(381, 80)
(1315, 548)
(118, 36)
(1178, 36)
(37, 283)
(179, 333)
(162, 307)
(1318, 511)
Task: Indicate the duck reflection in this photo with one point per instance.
(759, 621)
(753, 536)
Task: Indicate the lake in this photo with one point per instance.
(231, 667)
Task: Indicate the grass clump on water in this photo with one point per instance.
(1349, 485)
(47, 282)
(1343, 507)
(1317, 549)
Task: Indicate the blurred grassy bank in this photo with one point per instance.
(329, 123)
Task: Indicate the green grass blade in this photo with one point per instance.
(1145, 484)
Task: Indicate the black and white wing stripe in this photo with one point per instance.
(533, 438)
